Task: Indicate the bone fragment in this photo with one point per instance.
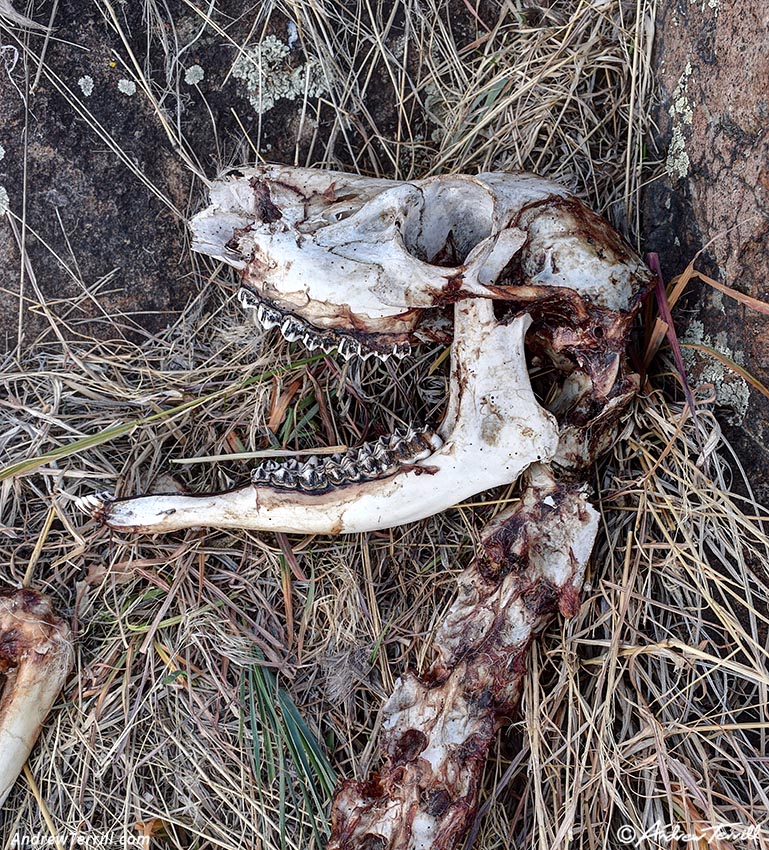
(493, 429)
(438, 727)
(36, 656)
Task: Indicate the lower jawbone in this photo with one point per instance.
(493, 429)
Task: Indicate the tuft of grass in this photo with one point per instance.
(287, 754)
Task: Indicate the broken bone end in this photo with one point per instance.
(36, 655)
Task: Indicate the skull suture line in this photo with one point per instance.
(362, 266)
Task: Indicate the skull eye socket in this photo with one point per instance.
(454, 217)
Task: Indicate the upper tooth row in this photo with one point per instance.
(293, 329)
(372, 460)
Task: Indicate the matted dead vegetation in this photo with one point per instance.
(223, 680)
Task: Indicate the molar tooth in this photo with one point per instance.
(435, 440)
(334, 473)
(421, 454)
(283, 477)
(260, 475)
(291, 330)
(312, 479)
(350, 470)
(402, 450)
(402, 349)
(370, 467)
(310, 341)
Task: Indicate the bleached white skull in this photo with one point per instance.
(363, 266)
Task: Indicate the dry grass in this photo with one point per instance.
(200, 656)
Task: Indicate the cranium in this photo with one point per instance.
(363, 266)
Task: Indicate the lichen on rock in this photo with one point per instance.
(731, 390)
(268, 76)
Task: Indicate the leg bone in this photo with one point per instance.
(36, 656)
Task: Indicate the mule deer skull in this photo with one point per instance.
(363, 266)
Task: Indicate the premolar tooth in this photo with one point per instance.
(268, 317)
(291, 330)
(402, 349)
(247, 299)
(382, 454)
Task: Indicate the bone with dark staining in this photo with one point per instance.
(438, 727)
(36, 656)
(342, 261)
(347, 262)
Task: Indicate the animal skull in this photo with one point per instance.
(363, 266)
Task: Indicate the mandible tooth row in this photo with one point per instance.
(369, 461)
